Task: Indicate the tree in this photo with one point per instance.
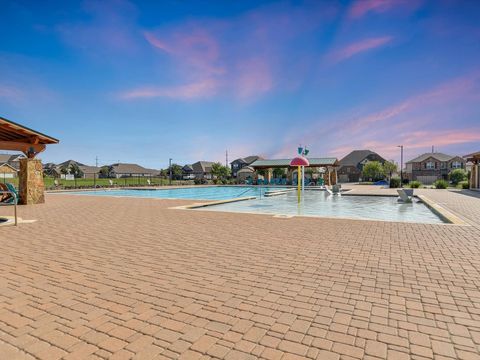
(458, 175)
(373, 171)
(176, 171)
(72, 169)
(104, 172)
(389, 168)
(220, 172)
(278, 172)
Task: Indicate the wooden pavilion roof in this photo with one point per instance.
(17, 137)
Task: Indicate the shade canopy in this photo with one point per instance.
(299, 161)
(17, 137)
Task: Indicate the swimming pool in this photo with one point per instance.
(190, 193)
(320, 203)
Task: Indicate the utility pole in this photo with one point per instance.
(96, 161)
(170, 171)
(401, 165)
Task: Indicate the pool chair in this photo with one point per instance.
(9, 196)
(405, 195)
(273, 181)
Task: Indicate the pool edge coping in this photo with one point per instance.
(446, 215)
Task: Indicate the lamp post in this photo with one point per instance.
(401, 165)
(170, 171)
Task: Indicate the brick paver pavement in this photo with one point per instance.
(121, 278)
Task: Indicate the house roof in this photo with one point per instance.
(187, 167)
(248, 159)
(8, 165)
(314, 162)
(10, 157)
(355, 157)
(437, 156)
(246, 169)
(122, 168)
(86, 169)
(70, 162)
(202, 166)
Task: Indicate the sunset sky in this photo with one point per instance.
(148, 80)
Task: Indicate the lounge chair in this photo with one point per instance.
(405, 195)
(9, 196)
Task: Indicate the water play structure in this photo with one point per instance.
(300, 162)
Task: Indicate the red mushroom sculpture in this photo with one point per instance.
(300, 162)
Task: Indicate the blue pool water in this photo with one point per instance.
(192, 193)
(320, 203)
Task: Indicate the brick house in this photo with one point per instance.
(351, 166)
(429, 167)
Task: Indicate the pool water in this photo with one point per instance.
(190, 193)
(320, 203)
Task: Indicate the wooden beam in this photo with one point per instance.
(30, 150)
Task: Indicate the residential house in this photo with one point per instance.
(202, 169)
(429, 167)
(90, 172)
(187, 172)
(121, 170)
(10, 165)
(351, 166)
(7, 171)
(238, 164)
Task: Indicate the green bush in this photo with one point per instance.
(440, 184)
(464, 185)
(458, 175)
(395, 182)
(415, 184)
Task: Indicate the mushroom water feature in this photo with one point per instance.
(300, 162)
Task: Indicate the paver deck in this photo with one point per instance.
(121, 278)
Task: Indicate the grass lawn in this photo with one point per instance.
(133, 181)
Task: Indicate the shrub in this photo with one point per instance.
(373, 170)
(199, 181)
(458, 175)
(415, 184)
(395, 182)
(464, 185)
(440, 184)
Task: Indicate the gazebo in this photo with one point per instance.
(329, 164)
(475, 173)
(17, 137)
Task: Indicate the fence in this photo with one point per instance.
(94, 181)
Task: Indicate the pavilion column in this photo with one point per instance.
(334, 176)
(269, 174)
(474, 174)
(31, 185)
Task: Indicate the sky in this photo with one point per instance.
(145, 81)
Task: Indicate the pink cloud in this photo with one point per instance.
(358, 47)
(254, 77)
(362, 7)
(190, 91)
(432, 117)
(243, 55)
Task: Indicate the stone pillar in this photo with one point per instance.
(31, 186)
(474, 181)
(269, 174)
